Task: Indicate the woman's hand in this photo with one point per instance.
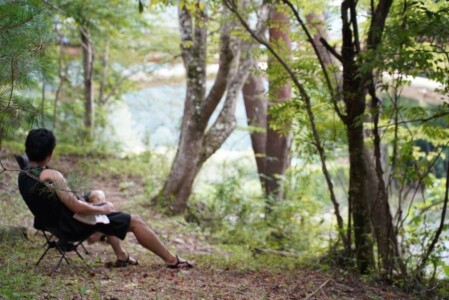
(107, 207)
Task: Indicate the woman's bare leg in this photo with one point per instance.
(148, 239)
(117, 247)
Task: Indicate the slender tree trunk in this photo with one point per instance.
(354, 98)
(104, 75)
(62, 79)
(256, 111)
(43, 103)
(88, 61)
(358, 198)
(278, 146)
(381, 217)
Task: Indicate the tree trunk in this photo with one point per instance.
(354, 98)
(382, 221)
(43, 103)
(179, 184)
(255, 102)
(102, 99)
(355, 85)
(88, 61)
(278, 146)
(196, 143)
(62, 78)
(381, 217)
(358, 198)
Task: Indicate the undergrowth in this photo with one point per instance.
(245, 232)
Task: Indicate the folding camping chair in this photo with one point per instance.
(54, 238)
(62, 244)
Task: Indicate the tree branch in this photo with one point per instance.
(439, 230)
(331, 49)
(23, 22)
(53, 6)
(422, 120)
(221, 79)
(318, 55)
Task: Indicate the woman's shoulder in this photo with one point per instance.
(51, 174)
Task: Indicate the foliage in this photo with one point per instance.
(414, 136)
(25, 35)
(232, 213)
(419, 229)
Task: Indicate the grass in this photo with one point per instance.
(223, 271)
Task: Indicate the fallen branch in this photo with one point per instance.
(318, 289)
(349, 289)
(277, 252)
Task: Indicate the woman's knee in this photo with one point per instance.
(136, 221)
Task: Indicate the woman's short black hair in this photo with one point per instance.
(39, 144)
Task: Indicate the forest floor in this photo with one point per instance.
(219, 272)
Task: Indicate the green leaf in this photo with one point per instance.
(445, 268)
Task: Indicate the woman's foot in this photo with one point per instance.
(181, 263)
(128, 261)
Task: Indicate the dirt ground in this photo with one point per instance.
(152, 280)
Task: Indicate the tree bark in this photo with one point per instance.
(255, 102)
(88, 61)
(62, 78)
(381, 217)
(102, 98)
(354, 98)
(278, 146)
(179, 184)
(197, 143)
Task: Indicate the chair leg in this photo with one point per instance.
(60, 260)
(63, 252)
(42, 256)
(82, 258)
(85, 250)
(63, 247)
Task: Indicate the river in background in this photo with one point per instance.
(150, 119)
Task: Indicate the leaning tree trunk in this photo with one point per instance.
(255, 102)
(381, 217)
(88, 62)
(196, 143)
(382, 221)
(278, 146)
(178, 186)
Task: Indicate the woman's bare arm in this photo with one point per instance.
(69, 199)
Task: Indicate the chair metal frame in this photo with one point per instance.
(62, 245)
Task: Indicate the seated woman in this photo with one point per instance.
(54, 204)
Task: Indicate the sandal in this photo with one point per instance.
(127, 262)
(180, 264)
